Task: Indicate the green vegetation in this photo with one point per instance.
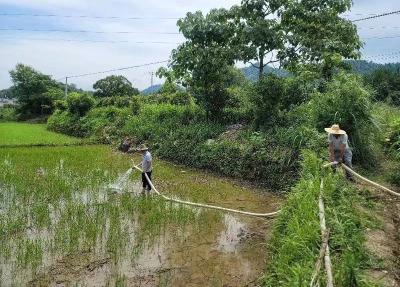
(112, 86)
(59, 203)
(296, 239)
(7, 114)
(15, 134)
(208, 115)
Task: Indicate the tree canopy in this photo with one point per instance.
(295, 34)
(34, 91)
(114, 86)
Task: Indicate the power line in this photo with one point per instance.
(376, 16)
(117, 69)
(87, 16)
(382, 37)
(87, 31)
(381, 27)
(90, 41)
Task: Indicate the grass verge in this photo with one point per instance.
(296, 239)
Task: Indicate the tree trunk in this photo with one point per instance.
(261, 64)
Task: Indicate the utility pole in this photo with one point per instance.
(66, 86)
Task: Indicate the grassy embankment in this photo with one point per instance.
(295, 245)
(350, 212)
(23, 134)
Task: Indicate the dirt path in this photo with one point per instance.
(384, 241)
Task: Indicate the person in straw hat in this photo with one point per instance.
(339, 150)
(147, 167)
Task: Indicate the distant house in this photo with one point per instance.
(6, 101)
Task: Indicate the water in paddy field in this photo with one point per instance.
(104, 233)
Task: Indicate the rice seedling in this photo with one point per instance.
(56, 202)
(15, 134)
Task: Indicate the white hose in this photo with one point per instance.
(271, 214)
(377, 185)
(369, 181)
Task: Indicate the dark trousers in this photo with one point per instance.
(146, 184)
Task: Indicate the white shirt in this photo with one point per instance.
(337, 142)
(147, 162)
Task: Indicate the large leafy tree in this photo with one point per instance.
(315, 34)
(295, 33)
(34, 91)
(203, 62)
(259, 32)
(114, 86)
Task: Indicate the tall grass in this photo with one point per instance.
(294, 246)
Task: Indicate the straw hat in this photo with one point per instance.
(335, 129)
(142, 147)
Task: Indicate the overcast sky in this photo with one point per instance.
(54, 53)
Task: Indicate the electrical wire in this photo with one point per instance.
(376, 16)
(90, 41)
(87, 31)
(117, 69)
(87, 16)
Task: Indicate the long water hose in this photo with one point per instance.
(266, 215)
(271, 214)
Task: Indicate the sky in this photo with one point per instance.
(150, 39)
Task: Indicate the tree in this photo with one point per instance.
(114, 86)
(315, 34)
(258, 33)
(266, 95)
(386, 84)
(202, 63)
(79, 104)
(35, 92)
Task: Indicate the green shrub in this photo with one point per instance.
(266, 95)
(79, 104)
(66, 123)
(135, 105)
(393, 138)
(348, 103)
(105, 123)
(119, 102)
(61, 105)
(8, 114)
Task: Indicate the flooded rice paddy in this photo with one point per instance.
(74, 216)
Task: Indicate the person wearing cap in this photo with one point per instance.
(147, 167)
(339, 150)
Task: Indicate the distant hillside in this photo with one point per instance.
(251, 73)
(366, 67)
(151, 90)
(358, 66)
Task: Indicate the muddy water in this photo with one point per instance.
(215, 249)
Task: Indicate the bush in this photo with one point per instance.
(79, 104)
(61, 105)
(8, 114)
(266, 95)
(119, 102)
(66, 123)
(135, 105)
(105, 123)
(176, 98)
(348, 103)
